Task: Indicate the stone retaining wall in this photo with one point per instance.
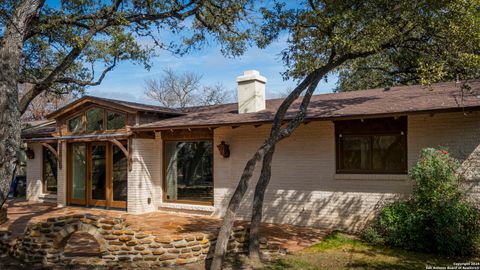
(43, 243)
(3, 215)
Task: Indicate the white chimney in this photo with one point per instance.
(251, 92)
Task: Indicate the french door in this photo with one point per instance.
(97, 175)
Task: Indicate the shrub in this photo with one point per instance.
(437, 218)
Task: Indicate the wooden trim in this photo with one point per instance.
(111, 201)
(83, 113)
(164, 172)
(89, 201)
(71, 200)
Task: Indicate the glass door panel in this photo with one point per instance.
(78, 157)
(119, 176)
(98, 172)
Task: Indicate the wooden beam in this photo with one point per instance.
(125, 152)
(54, 152)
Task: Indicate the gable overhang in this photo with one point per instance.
(88, 100)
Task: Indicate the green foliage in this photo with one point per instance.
(451, 54)
(73, 43)
(385, 42)
(437, 218)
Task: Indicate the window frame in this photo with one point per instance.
(105, 119)
(82, 118)
(104, 130)
(44, 186)
(103, 116)
(370, 134)
(164, 169)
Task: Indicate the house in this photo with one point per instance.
(350, 156)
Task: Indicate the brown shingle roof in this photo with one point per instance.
(397, 100)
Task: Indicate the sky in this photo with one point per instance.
(127, 80)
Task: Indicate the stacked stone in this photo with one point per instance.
(3, 215)
(43, 242)
(5, 242)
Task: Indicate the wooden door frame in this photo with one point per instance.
(71, 200)
(116, 204)
(88, 201)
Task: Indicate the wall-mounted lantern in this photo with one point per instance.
(30, 153)
(224, 149)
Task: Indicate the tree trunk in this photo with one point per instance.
(229, 218)
(276, 134)
(254, 246)
(11, 46)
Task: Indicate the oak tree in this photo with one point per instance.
(325, 37)
(68, 45)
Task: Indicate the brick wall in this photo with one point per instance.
(458, 133)
(62, 177)
(304, 189)
(34, 173)
(144, 181)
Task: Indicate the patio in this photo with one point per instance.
(176, 238)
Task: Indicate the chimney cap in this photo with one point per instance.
(251, 75)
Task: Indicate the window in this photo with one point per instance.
(189, 171)
(75, 124)
(49, 171)
(94, 118)
(372, 145)
(115, 120)
(119, 174)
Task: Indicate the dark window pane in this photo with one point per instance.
(78, 171)
(115, 120)
(94, 119)
(389, 153)
(119, 174)
(75, 124)
(98, 172)
(189, 171)
(49, 170)
(356, 152)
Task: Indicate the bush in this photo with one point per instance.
(437, 218)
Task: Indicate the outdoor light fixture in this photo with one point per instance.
(224, 149)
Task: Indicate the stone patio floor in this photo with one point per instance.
(21, 213)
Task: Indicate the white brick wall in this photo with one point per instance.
(304, 189)
(34, 173)
(144, 181)
(62, 177)
(458, 133)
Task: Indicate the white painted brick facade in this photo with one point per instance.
(144, 181)
(304, 189)
(62, 177)
(34, 173)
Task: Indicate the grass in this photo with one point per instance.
(341, 251)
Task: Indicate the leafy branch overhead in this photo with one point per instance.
(326, 37)
(403, 42)
(75, 44)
